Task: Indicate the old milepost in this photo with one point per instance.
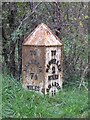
(42, 61)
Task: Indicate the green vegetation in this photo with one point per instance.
(68, 20)
(19, 103)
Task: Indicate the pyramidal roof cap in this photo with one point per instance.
(42, 36)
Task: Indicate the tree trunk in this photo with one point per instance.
(12, 59)
(11, 19)
(57, 19)
(4, 48)
(20, 41)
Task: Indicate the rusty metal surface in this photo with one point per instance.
(42, 36)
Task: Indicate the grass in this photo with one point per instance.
(19, 103)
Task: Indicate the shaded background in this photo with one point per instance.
(67, 20)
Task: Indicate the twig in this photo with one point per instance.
(82, 78)
(28, 16)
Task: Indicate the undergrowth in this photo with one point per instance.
(19, 103)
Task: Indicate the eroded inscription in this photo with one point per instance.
(33, 62)
(32, 52)
(30, 87)
(53, 88)
(52, 69)
(53, 77)
(33, 69)
(53, 62)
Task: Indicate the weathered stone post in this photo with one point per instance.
(42, 61)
